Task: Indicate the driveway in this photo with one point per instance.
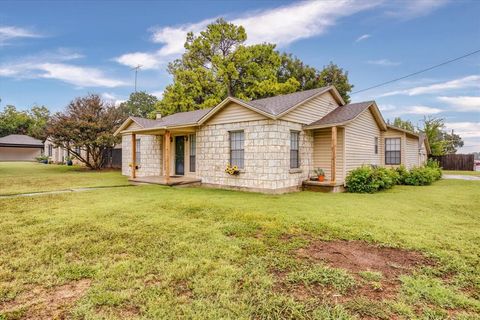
(460, 177)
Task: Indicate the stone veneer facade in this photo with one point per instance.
(266, 152)
(150, 155)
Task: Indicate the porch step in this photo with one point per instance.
(326, 186)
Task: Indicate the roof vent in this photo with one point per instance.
(158, 116)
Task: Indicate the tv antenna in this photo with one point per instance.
(136, 72)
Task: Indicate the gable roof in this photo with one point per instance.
(280, 104)
(389, 126)
(20, 140)
(271, 107)
(347, 113)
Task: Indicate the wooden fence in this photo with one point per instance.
(456, 161)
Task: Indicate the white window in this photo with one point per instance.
(294, 147)
(138, 152)
(193, 152)
(237, 149)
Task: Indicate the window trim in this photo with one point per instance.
(193, 155)
(50, 150)
(389, 162)
(138, 151)
(295, 151)
(231, 150)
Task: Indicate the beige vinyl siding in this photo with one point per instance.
(235, 113)
(312, 110)
(411, 152)
(360, 142)
(322, 152)
(133, 126)
(392, 133)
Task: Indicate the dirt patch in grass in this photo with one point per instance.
(46, 303)
(376, 270)
(357, 256)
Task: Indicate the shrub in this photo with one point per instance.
(361, 180)
(42, 159)
(402, 174)
(420, 176)
(434, 165)
(370, 179)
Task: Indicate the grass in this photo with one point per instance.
(155, 252)
(25, 177)
(466, 173)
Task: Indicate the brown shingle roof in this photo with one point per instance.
(343, 114)
(19, 140)
(176, 119)
(279, 104)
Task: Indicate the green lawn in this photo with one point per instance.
(25, 177)
(155, 252)
(467, 173)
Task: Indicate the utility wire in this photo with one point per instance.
(418, 72)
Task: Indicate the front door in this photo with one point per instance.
(180, 155)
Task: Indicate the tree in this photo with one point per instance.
(311, 78)
(32, 122)
(441, 142)
(218, 64)
(140, 104)
(333, 75)
(38, 126)
(88, 123)
(13, 121)
(403, 124)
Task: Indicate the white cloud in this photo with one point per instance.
(462, 103)
(53, 66)
(143, 59)
(408, 9)
(422, 110)
(158, 94)
(470, 133)
(10, 32)
(383, 62)
(282, 26)
(363, 37)
(464, 129)
(112, 98)
(466, 82)
(387, 107)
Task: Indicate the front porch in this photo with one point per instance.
(171, 181)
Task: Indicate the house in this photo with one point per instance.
(19, 147)
(276, 142)
(58, 154)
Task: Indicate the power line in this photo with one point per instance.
(417, 72)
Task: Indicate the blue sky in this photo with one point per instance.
(51, 52)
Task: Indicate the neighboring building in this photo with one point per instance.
(18, 147)
(276, 142)
(58, 154)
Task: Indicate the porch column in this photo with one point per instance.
(166, 155)
(334, 154)
(134, 155)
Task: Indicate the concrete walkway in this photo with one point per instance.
(460, 177)
(33, 194)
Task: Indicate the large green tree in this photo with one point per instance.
(311, 78)
(441, 142)
(31, 122)
(217, 64)
(140, 104)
